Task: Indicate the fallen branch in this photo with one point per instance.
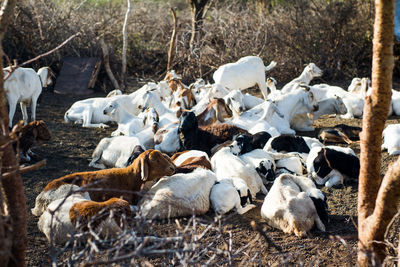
(25, 169)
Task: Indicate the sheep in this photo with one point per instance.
(227, 195)
(76, 212)
(330, 165)
(113, 152)
(391, 139)
(244, 73)
(24, 86)
(178, 195)
(35, 132)
(310, 72)
(193, 137)
(150, 165)
(294, 205)
(225, 164)
(340, 133)
(303, 122)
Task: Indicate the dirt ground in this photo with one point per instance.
(71, 147)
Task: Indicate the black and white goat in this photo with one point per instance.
(330, 165)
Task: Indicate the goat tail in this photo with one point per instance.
(270, 66)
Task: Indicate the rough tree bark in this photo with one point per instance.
(199, 9)
(171, 50)
(377, 198)
(125, 44)
(12, 186)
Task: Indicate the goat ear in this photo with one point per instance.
(239, 193)
(228, 101)
(144, 168)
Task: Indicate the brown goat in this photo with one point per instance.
(217, 110)
(150, 165)
(96, 212)
(193, 163)
(36, 132)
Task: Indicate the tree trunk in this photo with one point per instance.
(173, 41)
(106, 59)
(12, 186)
(125, 44)
(375, 204)
(199, 9)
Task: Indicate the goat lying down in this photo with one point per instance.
(330, 165)
(150, 165)
(231, 193)
(340, 133)
(35, 132)
(178, 195)
(294, 205)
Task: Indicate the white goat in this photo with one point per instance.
(391, 137)
(310, 72)
(304, 121)
(113, 152)
(235, 101)
(227, 194)
(24, 86)
(289, 207)
(179, 195)
(244, 73)
(225, 164)
(128, 124)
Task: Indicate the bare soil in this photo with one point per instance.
(71, 146)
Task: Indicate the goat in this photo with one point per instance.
(187, 161)
(64, 216)
(167, 140)
(225, 164)
(235, 101)
(340, 133)
(294, 205)
(24, 86)
(228, 194)
(193, 137)
(128, 124)
(150, 165)
(310, 72)
(303, 122)
(292, 143)
(178, 195)
(391, 137)
(330, 165)
(217, 110)
(35, 132)
(244, 73)
(114, 152)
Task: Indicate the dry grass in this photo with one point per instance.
(336, 35)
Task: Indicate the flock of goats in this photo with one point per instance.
(180, 150)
